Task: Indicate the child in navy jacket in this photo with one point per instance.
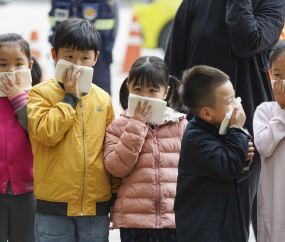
(207, 205)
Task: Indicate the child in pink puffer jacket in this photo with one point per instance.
(146, 155)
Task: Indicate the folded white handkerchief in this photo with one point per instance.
(26, 79)
(225, 124)
(272, 82)
(157, 108)
(85, 79)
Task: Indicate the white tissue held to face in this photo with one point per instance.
(25, 76)
(157, 108)
(85, 79)
(272, 82)
(225, 123)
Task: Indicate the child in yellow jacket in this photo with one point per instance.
(74, 191)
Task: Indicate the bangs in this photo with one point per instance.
(147, 75)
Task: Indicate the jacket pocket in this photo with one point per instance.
(226, 221)
(50, 168)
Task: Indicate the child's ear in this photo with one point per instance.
(205, 114)
(96, 57)
(54, 55)
(166, 92)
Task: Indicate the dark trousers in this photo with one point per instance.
(102, 76)
(247, 191)
(17, 217)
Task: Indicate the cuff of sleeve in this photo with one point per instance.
(235, 131)
(249, 166)
(71, 100)
(113, 199)
(137, 127)
(19, 101)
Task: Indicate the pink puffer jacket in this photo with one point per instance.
(147, 160)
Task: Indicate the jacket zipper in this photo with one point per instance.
(84, 158)
(157, 182)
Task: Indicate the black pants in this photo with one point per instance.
(17, 217)
(102, 76)
(247, 191)
(147, 235)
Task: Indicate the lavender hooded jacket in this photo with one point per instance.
(147, 160)
(269, 135)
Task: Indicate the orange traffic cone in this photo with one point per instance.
(33, 42)
(35, 50)
(134, 45)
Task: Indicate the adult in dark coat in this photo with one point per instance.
(236, 37)
(207, 205)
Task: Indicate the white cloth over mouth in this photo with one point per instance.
(25, 76)
(85, 79)
(226, 122)
(157, 108)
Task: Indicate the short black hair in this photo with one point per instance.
(77, 33)
(198, 86)
(276, 51)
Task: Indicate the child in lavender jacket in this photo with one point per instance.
(269, 132)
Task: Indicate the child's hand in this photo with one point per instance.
(71, 84)
(111, 217)
(142, 112)
(250, 152)
(10, 88)
(279, 93)
(238, 116)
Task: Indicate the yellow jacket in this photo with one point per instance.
(67, 137)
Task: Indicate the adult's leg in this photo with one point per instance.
(22, 212)
(102, 75)
(92, 228)
(254, 216)
(4, 217)
(248, 190)
(52, 228)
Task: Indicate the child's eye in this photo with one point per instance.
(19, 64)
(138, 89)
(2, 64)
(278, 75)
(69, 57)
(153, 90)
(85, 58)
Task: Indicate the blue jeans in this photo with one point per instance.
(51, 228)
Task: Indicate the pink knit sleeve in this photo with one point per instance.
(19, 101)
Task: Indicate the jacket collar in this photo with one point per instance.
(171, 115)
(62, 86)
(207, 126)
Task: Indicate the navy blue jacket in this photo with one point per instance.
(207, 205)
